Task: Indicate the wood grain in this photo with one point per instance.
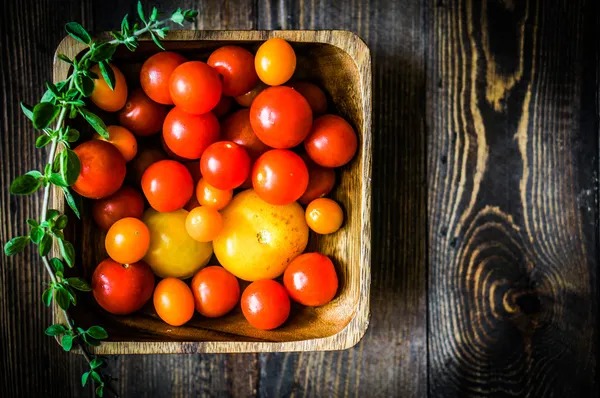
(513, 244)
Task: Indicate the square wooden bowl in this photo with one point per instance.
(337, 61)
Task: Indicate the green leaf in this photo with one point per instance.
(53, 89)
(61, 222)
(27, 110)
(43, 140)
(44, 113)
(95, 122)
(79, 284)
(96, 376)
(91, 74)
(61, 295)
(97, 332)
(108, 74)
(71, 202)
(32, 223)
(140, 11)
(47, 297)
(177, 17)
(36, 234)
(70, 166)
(78, 32)
(118, 36)
(49, 96)
(55, 330)
(96, 363)
(64, 58)
(73, 112)
(90, 340)
(16, 245)
(72, 295)
(45, 245)
(58, 180)
(51, 213)
(103, 52)
(25, 185)
(100, 390)
(156, 41)
(84, 84)
(160, 33)
(154, 14)
(125, 24)
(189, 15)
(84, 378)
(71, 135)
(67, 251)
(67, 342)
(57, 265)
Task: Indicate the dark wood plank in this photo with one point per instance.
(391, 358)
(512, 177)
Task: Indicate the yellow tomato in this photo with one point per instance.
(173, 252)
(258, 240)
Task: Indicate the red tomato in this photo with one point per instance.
(225, 165)
(168, 185)
(236, 65)
(237, 128)
(169, 152)
(189, 135)
(310, 279)
(126, 202)
(144, 158)
(313, 94)
(275, 61)
(320, 181)
(246, 100)
(223, 107)
(332, 141)
(265, 304)
(281, 117)
(102, 169)
(173, 301)
(216, 291)
(141, 115)
(155, 75)
(279, 177)
(122, 289)
(122, 139)
(106, 98)
(195, 87)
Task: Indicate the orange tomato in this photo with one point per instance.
(314, 95)
(203, 223)
(310, 279)
(127, 240)
(122, 139)
(102, 169)
(210, 196)
(265, 304)
(103, 96)
(324, 216)
(155, 75)
(275, 62)
(173, 301)
(216, 291)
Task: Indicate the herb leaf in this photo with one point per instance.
(67, 251)
(78, 32)
(103, 52)
(97, 332)
(55, 330)
(57, 265)
(45, 245)
(44, 113)
(16, 245)
(79, 284)
(47, 297)
(67, 342)
(108, 74)
(25, 185)
(27, 110)
(62, 297)
(95, 122)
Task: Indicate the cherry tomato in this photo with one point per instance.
(310, 279)
(195, 87)
(225, 165)
(332, 141)
(246, 99)
(324, 216)
(313, 94)
(281, 117)
(169, 152)
(203, 224)
(236, 65)
(155, 75)
(122, 139)
(320, 181)
(210, 196)
(216, 291)
(265, 304)
(126, 202)
(141, 115)
(106, 98)
(279, 177)
(122, 289)
(189, 135)
(223, 107)
(127, 240)
(168, 185)
(275, 62)
(144, 158)
(173, 301)
(237, 128)
(102, 169)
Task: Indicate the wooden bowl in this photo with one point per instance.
(337, 61)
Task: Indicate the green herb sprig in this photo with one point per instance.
(62, 100)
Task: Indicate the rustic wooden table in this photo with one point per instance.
(485, 217)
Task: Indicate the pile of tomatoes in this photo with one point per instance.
(229, 179)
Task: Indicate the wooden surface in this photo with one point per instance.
(485, 215)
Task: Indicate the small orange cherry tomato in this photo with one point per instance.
(324, 216)
(310, 279)
(210, 196)
(127, 240)
(216, 291)
(265, 304)
(103, 96)
(122, 139)
(173, 301)
(275, 62)
(314, 96)
(203, 224)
